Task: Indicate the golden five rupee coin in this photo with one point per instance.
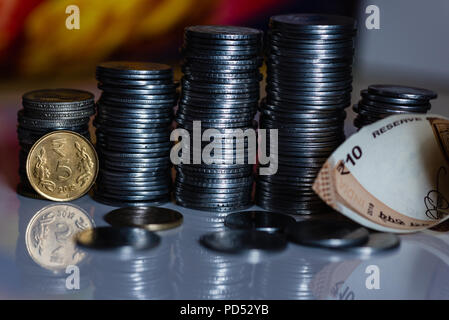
(62, 166)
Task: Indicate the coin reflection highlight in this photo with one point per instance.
(49, 236)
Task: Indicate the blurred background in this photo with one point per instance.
(35, 43)
(410, 47)
(34, 40)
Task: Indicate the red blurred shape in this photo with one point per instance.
(12, 16)
(236, 11)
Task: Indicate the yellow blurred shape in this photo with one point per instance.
(165, 15)
(104, 26)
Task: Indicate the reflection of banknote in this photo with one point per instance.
(392, 175)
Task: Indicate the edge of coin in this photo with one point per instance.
(149, 227)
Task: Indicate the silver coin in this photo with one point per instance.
(150, 218)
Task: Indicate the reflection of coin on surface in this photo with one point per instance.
(62, 166)
(150, 218)
(49, 236)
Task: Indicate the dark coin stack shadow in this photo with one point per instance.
(380, 101)
(309, 84)
(135, 112)
(220, 88)
(45, 111)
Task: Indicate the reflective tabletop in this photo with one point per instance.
(39, 261)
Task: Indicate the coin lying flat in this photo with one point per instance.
(327, 233)
(312, 22)
(62, 166)
(377, 243)
(110, 238)
(133, 67)
(223, 32)
(399, 91)
(259, 220)
(49, 236)
(58, 97)
(150, 218)
(237, 241)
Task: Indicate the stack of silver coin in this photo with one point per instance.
(133, 124)
(309, 76)
(220, 88)
(382, 100)
(45, 111)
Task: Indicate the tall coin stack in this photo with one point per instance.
(135, 112)
(45, 111)
(380, 101)
(309, 76)
(220, 88)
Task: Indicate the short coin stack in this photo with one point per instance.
(380, 101)
(49, 110)
(135, 113)
(220, 88)
(309, 76)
